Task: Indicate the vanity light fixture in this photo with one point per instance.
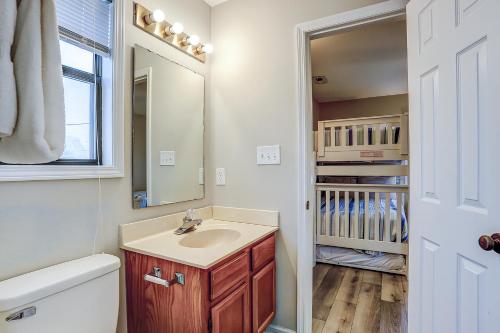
(154, 23)
(156, 16)
(175, 29)
(207, 48)
(193, 40)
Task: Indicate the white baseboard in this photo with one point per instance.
(278, 329)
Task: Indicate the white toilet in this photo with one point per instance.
(79, 296)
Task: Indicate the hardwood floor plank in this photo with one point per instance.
(317, 325)
(340, 318)
(319, 273)
(358, 301)
(392, 288)
(404, 281)
(367, 315)
(324, 295)
(349, 289)
(372, 277)
(393, 318)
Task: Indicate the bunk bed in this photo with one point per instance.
(361, 192)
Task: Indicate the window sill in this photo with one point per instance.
(55, 172)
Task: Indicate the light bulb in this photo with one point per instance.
(193, 40)
(208, 48)
(157, 16)
(176, 28)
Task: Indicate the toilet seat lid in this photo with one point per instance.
(30, 287)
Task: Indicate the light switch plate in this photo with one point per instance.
(167, 157)
(220, 176)
(267, 155)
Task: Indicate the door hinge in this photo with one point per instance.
(307, 204)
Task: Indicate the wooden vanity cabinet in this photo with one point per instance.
(237, 295)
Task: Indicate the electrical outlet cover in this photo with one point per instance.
(201, 176)
(220, 176)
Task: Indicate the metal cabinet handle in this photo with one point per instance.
(155, 277)
(489, 243)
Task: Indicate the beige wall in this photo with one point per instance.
(316, 110)
(365, 107)
(254, 103)
(48, 222)
(139, 156)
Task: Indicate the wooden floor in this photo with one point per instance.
(358, 301)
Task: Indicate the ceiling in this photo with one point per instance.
(214, 2)
(364, 62)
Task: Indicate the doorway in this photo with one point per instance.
(328, 279)
(360, 113)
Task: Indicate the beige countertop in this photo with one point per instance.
(212, 241)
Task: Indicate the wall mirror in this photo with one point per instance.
(167, 131)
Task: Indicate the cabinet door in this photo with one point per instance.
(264, 297)
(232, 315)
(153, 308)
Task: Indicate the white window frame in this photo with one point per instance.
(113, 163)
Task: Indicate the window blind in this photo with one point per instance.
(86, 23)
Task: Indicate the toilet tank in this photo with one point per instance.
(79, 296)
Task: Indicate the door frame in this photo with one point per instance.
(147, 74)
(305, 224)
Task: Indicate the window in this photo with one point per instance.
(82, 71)
(91, 33)
(85, 30)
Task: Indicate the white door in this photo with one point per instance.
(454, 88)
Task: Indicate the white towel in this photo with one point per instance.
(40, 130)
(8, 105)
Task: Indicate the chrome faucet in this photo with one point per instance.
(188, 223)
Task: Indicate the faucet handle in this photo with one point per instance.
(190, 214)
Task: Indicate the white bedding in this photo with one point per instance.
(379, 261)
(393, 223)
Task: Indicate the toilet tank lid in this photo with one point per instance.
(30, 287)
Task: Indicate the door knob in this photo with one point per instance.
(489, 243)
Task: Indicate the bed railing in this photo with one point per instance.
(363, 139)
(328, 233)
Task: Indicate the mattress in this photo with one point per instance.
(392, 223)
(348, 257)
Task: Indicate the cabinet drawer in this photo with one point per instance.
(228, 275)
(263, 253)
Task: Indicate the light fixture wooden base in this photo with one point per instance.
(158, 30)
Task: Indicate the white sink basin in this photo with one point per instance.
(211, 242)
(209, 238)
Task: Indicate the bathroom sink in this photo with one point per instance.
(209, 238)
